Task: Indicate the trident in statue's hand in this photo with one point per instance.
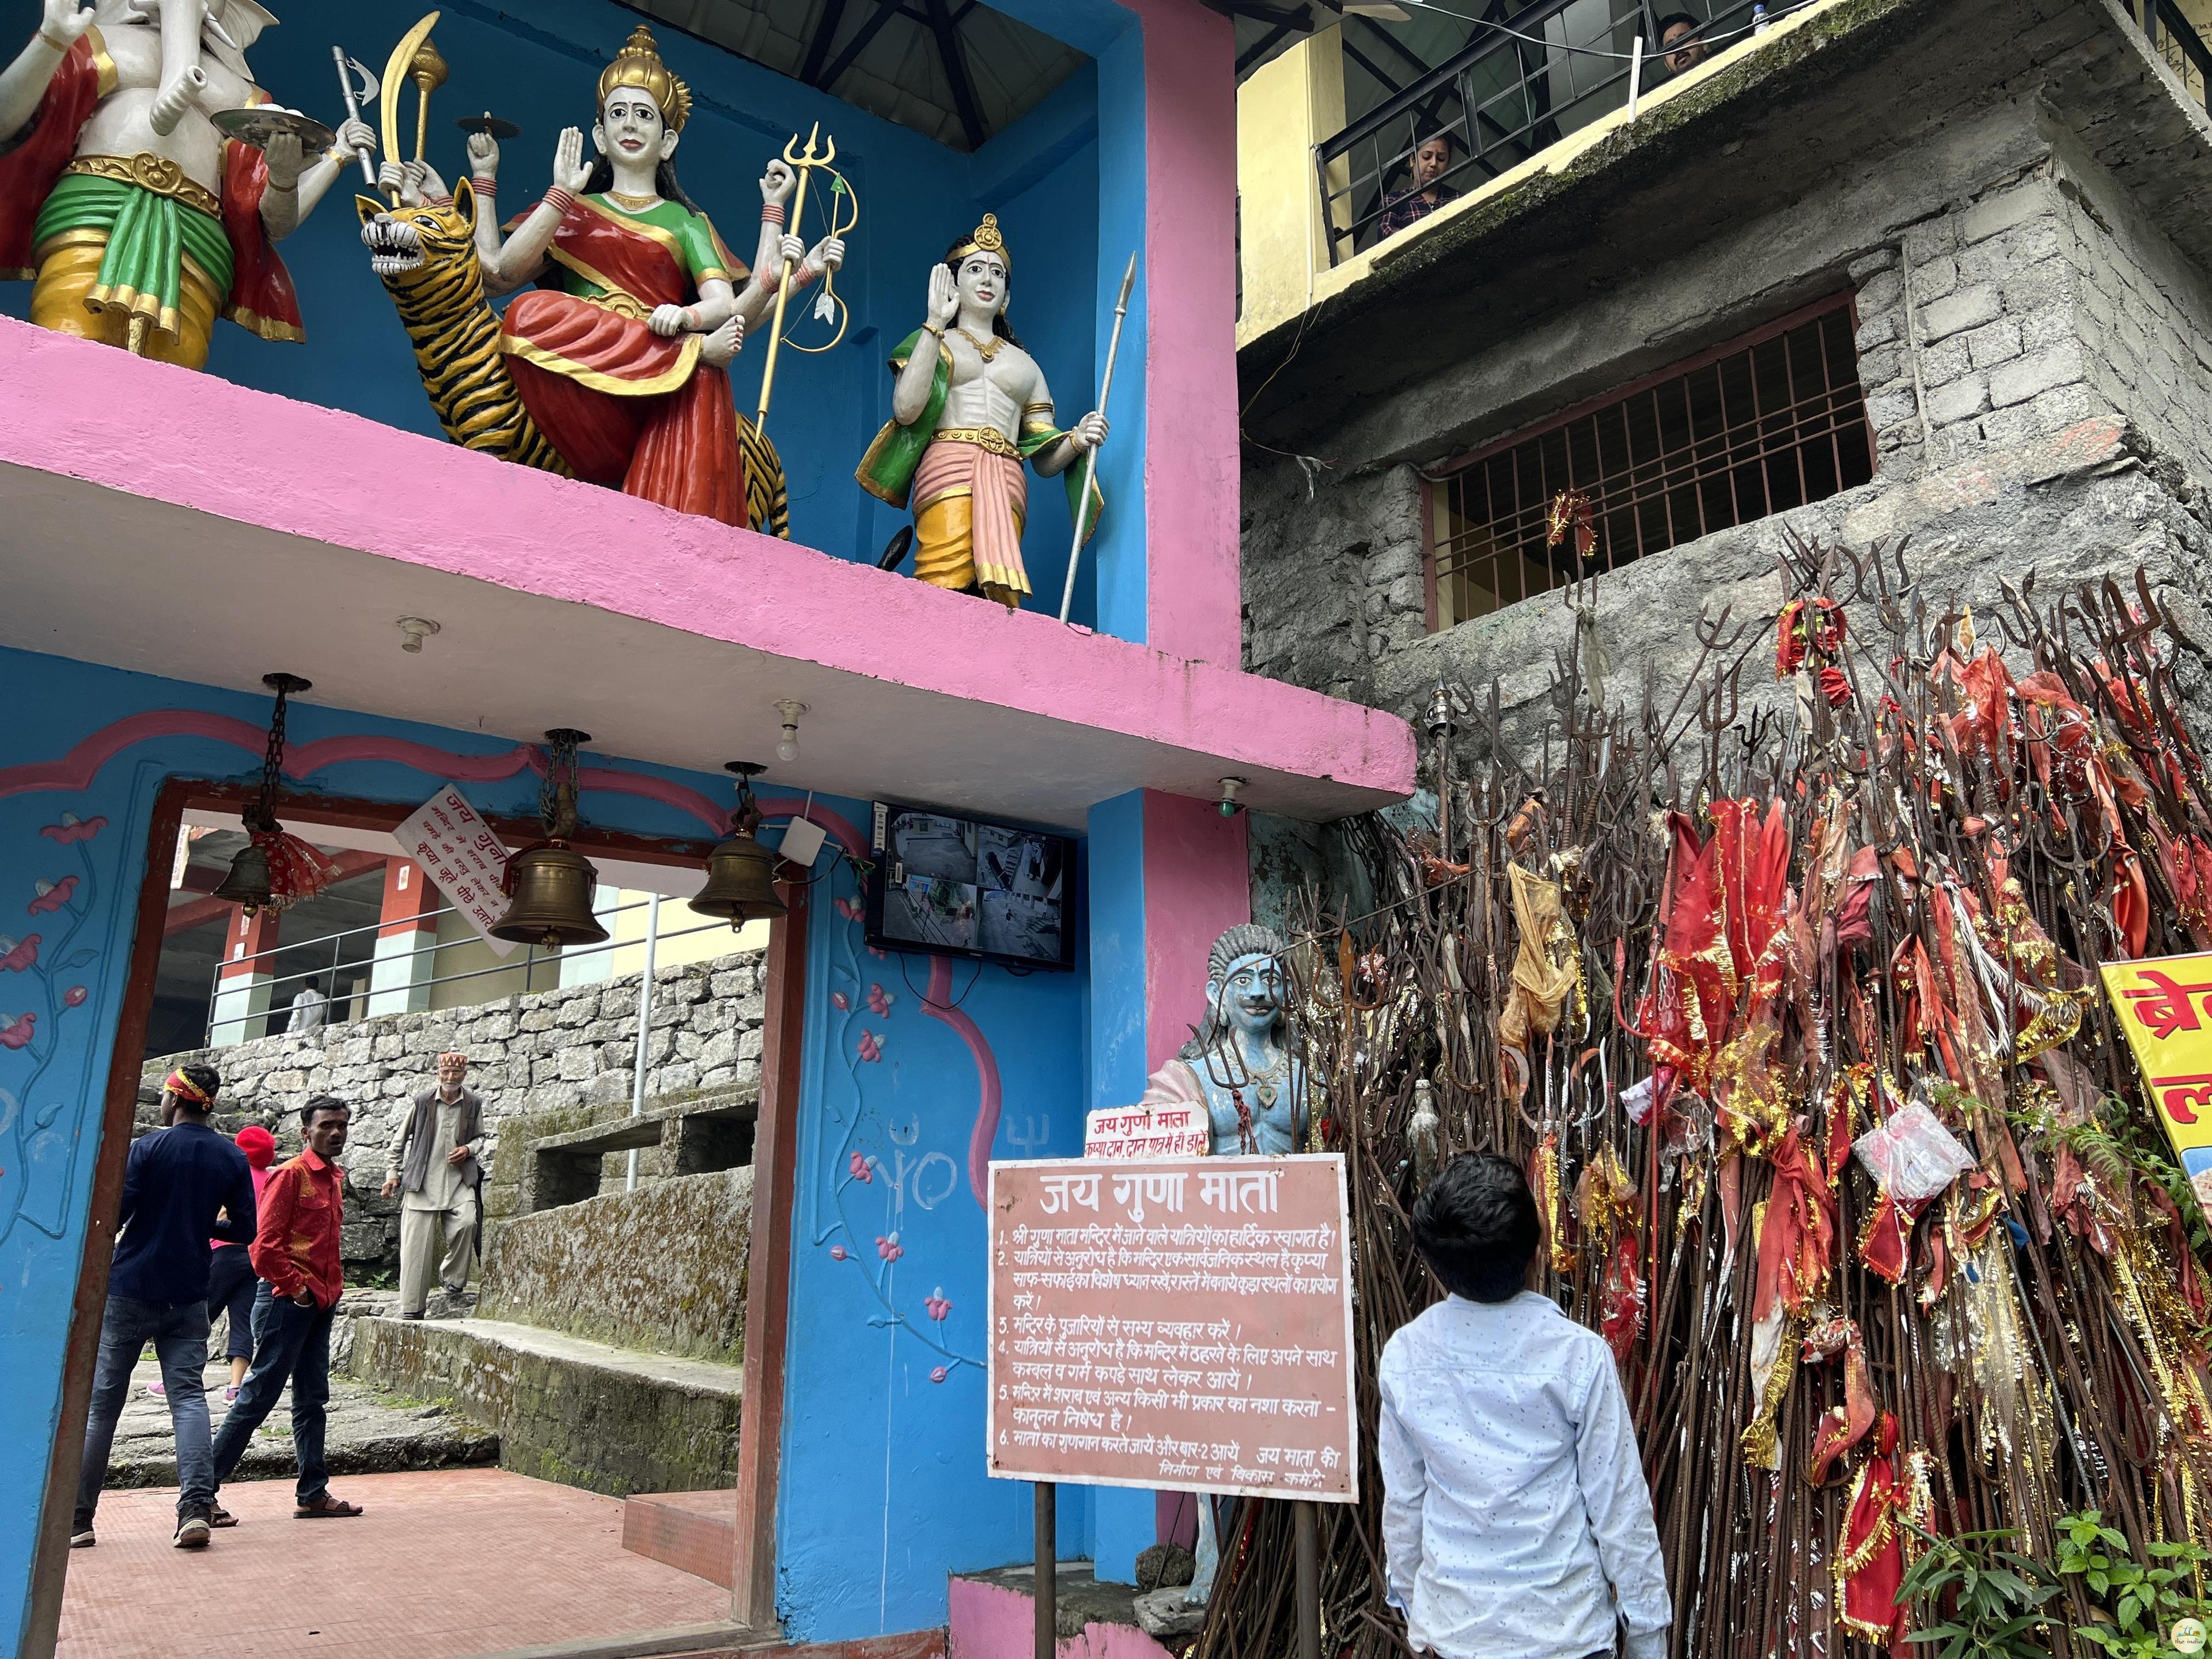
(819, 152)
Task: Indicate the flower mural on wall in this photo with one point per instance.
(928, 1179)
(38, 1158)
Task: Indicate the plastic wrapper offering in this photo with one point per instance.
(1911, 1156)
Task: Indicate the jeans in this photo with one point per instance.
(230, 1286)
(291, 1344)
(179, 1331)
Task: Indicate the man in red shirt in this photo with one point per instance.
(296, 1252)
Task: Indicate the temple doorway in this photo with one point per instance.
(550, 1456)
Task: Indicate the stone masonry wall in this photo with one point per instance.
(2037, 360)
(550, 1051)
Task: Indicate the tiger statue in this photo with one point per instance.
(425, 255)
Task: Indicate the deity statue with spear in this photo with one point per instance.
(966, 412)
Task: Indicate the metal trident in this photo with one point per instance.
(804, 162)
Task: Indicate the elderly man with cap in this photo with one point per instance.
(435, 1169)
(177, 1182)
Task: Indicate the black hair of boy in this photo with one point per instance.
(1475, 1225)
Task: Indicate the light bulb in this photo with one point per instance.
(789, 749)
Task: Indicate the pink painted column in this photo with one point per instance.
(1193, 594)
(1198, 881)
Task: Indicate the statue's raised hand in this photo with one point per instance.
(777, 182)
(828, 254)
(944, 296)
(571, 172)
(717, 346)
(402, 181)
(1087, 432)
(61, 23)
(483, 156)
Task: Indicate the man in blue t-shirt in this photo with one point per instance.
(178, 1180)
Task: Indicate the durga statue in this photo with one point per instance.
(619, 357)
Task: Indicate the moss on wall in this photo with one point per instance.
(662, 1267)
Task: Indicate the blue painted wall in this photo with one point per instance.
(883, 1491)
(70, 864)
(538, 65)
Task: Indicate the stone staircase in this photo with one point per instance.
(607, 1346)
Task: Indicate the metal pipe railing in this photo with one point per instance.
(1517, 87)
(526, 967)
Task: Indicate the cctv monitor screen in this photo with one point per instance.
(953, 886)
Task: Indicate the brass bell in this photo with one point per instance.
(740, 871)
(247, 884)
(740, 887)
(552, 904)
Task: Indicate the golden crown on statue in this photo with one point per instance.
(638, 64)
(988, 239)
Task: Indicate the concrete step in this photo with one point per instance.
(694, 1532)
(584, 1413)
(993, 1615)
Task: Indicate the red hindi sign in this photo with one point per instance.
(1173, 1323)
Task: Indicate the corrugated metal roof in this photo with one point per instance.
(955, 70)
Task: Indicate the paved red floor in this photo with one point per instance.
(440, 1565)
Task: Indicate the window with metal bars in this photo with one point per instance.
(1769, 422)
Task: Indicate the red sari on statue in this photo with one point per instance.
(625, 406)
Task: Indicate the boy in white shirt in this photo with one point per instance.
(1517, 1522)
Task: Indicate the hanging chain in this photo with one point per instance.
(272, 765)
(557, 793)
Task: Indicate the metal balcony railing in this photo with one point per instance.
(399, 965)
(2175, 39)
(1525, 81)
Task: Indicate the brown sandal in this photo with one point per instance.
(325, 1508)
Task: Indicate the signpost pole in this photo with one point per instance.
(1309, 1579)
(1047, 1615)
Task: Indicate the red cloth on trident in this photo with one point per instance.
(1870, 1566)
(1798, 1240)
(623, 405)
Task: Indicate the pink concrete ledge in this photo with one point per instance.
(91, 413)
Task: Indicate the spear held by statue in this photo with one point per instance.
(1091, 456)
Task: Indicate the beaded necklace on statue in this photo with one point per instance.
(633, 203)
(986, 349)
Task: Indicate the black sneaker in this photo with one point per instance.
(193, 1532)
(82, 1538)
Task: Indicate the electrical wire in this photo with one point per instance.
(922, 997)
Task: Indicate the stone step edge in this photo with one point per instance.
(678, 1371)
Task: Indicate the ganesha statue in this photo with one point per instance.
(612, 367)
(137, 221)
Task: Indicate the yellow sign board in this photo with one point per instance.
(2164, 1006)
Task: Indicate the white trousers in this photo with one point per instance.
(422, 1263)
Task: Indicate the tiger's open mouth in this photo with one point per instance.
(395, 246)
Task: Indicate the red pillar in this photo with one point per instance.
(407, 925)
(242, 983)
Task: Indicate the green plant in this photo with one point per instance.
(1995, 1597)
(2141, 1603)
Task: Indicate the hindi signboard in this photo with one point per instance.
(459, 850)
(1147, 1132)
(1182, 1323)
(2164, 1006)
